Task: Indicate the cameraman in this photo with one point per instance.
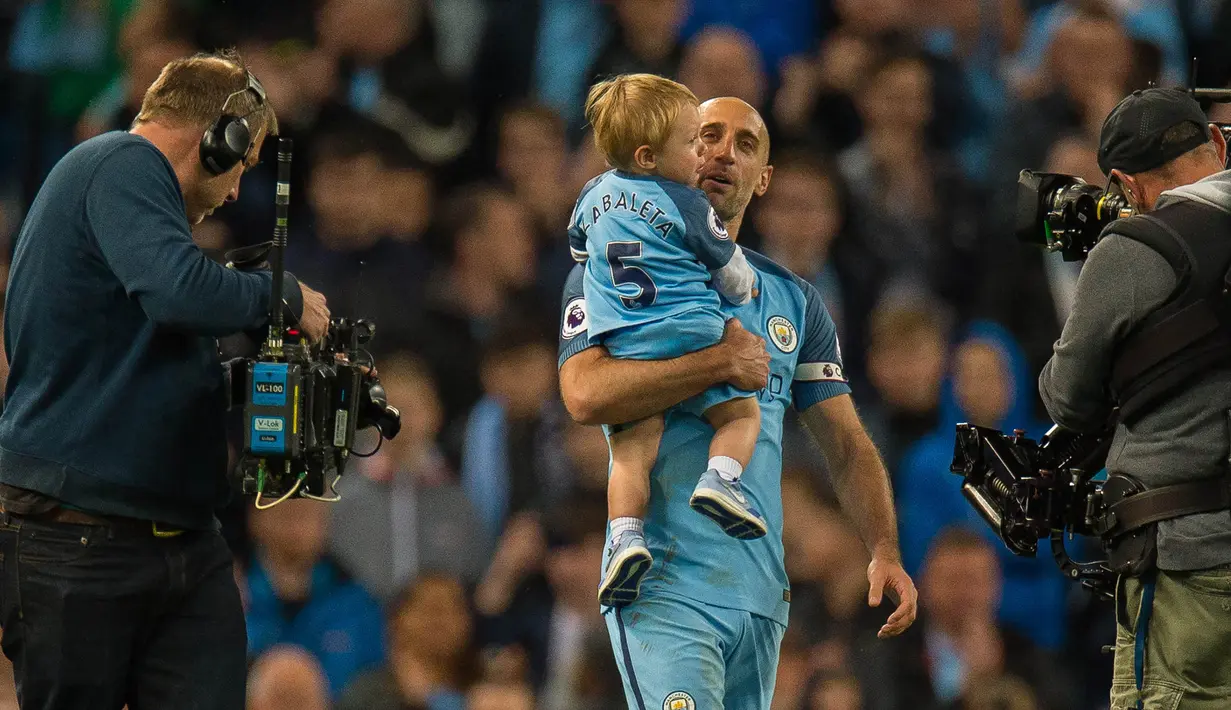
(117, 586)
(1172, 387)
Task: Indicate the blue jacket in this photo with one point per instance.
(340, 623)
(114, 401)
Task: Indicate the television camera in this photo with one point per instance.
(303, 402)
(1065, 214)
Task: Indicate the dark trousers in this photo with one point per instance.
(101, 616)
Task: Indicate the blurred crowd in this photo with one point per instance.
(439, 147)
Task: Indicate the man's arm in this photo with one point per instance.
(600, 389)
(862, 485)
(822, 395)
(859, 476)
(1121, 282)
(137, 218)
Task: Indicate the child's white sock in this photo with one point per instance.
(727, 467)
(619, 526)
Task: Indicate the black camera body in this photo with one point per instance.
(1029, 490)
(303, 402)
(1065, 214)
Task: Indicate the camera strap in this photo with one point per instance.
(1190, 333)
(1151, 506)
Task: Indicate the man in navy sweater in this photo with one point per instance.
(117, 587)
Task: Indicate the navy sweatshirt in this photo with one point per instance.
(114, 401)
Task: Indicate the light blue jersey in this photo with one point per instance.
(692, 556)
(672, 652)
(650, 246)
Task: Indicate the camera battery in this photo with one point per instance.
(272, 417)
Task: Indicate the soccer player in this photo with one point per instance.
(706, 628)
(651, 244)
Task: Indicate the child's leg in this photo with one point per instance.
(737, 424)
(634, 449)
(718, 495)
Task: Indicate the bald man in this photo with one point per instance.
(706, 628)
(287, 678)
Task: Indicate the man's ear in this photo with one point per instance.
(644, 158)
(1220, 144)
(763, 181)
(1132, 190)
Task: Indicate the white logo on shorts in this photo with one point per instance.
(679, 700)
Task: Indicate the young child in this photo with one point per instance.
(652, 248)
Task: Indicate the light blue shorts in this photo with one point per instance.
(679, 654)
(672, 337)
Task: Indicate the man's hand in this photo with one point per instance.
(886, 577)
(315, 319)
(748, 359)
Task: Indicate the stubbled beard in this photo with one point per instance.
(730, 208)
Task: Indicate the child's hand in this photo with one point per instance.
(755, 292)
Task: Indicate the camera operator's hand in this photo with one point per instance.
(315, 319)
(748, 360)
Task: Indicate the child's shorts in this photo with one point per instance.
(672, 337)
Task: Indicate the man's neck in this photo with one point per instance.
(1184, 178)
(734, 224)
(178, 145)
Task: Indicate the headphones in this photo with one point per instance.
(228, 140)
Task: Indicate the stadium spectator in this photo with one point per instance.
(431, 661)
(297, 595)
(962, 650)
(287, 678)
(989, 385)
(532, 158)
(907, 351)
(723, 61)
(645, 39)
(403, 510)
(511, 459)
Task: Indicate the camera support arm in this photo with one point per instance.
(1095, 576)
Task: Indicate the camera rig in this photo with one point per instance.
(302, 401)
(1029, 490)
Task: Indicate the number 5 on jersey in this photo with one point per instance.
(618, 256)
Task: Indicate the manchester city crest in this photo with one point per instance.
(782, 333)
(679, 700)
(574, 318)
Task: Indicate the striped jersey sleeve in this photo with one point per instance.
(573, 322)
(818, 373)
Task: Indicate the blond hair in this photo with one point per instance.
(193, 91)
(632, 110)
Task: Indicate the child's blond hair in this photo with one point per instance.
(632, 110)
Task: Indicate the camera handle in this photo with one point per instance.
(1095, 576)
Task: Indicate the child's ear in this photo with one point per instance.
(644, 158)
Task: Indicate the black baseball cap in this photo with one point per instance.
(1132, 135)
